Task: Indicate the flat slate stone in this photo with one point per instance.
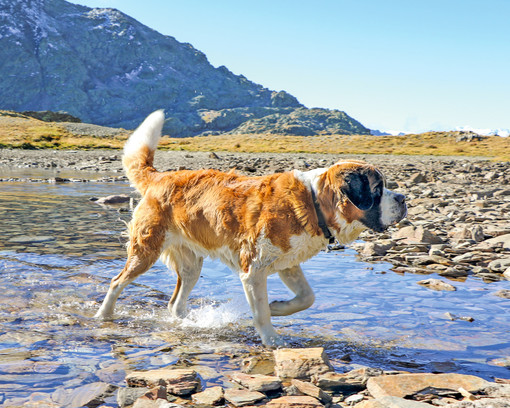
(240, 398)
(402, 385)
(177, 381)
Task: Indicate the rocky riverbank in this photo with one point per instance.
(283, 378)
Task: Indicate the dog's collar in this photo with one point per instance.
(322, 221)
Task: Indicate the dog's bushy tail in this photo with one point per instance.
(139, 150)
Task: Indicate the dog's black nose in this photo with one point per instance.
(400, 198)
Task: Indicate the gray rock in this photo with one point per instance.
(503, 293)
(128, 396)
(499, 265)
(89, 394)
(437, 284)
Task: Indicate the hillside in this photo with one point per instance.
(108, 69)
(24, 132)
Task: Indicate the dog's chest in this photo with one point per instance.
(302, 248)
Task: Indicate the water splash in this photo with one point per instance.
(213, 315)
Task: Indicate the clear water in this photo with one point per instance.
(58, 251)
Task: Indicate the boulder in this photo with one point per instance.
(177, 381)
(301, 363)
(402, 385)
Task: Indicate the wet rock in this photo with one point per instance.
(301, 363)
(257, 382)
(210, 396)
(240, 398)
(261, 364)
(90, 395)
(303, 401)
(177, 381)
(113, 199)
(436, 284)
(452, 317)
(501, 362)
(402, 385)
(503, 293)
(311, 390)
(128, 396)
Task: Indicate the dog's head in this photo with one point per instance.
(358, 193)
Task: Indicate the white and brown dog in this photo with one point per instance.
(257, 226)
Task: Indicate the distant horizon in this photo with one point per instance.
(393, 66)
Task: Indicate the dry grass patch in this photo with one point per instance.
(24, 132)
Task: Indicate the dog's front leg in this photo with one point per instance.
(255, 288)
(295, 280)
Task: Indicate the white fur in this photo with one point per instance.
(147, 134)
(391, 211)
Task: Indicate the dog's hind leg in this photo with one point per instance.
(295, 280)
(187, 265)
(135, 266)
(143, 250)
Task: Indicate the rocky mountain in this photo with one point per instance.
(106, 68)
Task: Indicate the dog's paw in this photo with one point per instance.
(279, 308)
(274, 342)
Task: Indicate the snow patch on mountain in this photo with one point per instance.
(485, 132)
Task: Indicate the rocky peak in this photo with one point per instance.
(107, 68)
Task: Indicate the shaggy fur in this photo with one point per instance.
(257, 226)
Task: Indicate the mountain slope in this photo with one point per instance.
(106, 68)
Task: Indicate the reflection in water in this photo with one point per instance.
(58, 251)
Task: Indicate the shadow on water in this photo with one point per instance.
(59, 250)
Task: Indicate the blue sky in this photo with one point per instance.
(392, 65)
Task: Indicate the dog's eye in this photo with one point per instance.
(378, 189)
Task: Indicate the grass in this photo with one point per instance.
(28, 133)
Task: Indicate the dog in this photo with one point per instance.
(257, 225)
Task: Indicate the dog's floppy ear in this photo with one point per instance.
(357, 190)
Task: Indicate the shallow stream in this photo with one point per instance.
(58, 251)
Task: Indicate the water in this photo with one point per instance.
(58, 251)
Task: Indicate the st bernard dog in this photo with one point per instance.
(257, 226)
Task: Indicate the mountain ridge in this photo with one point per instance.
(107, 68)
